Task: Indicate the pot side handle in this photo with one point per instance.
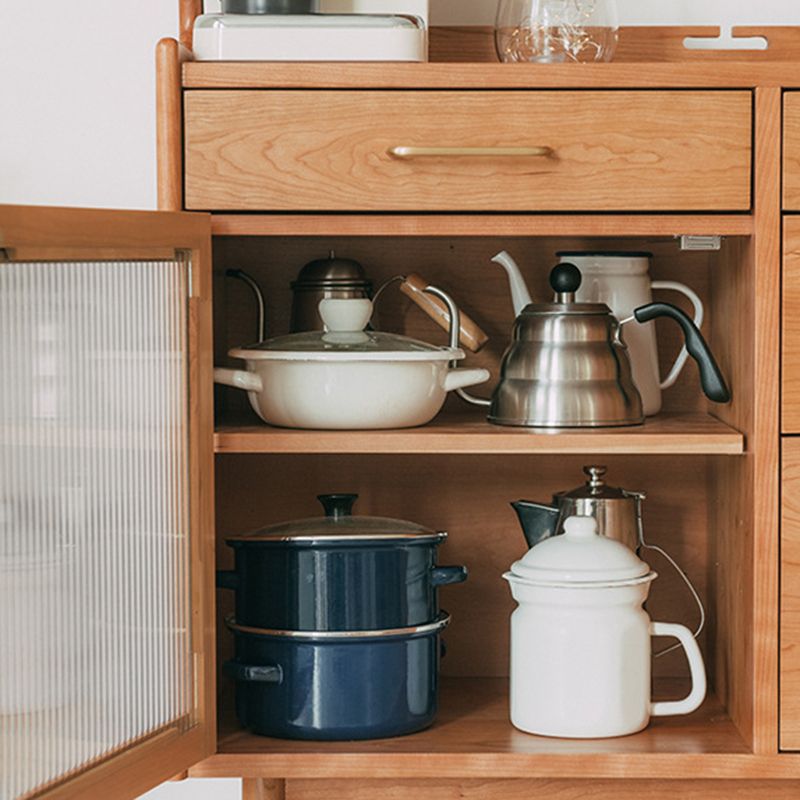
(460, 378)
(265, 673)
(442, 576)
(238, 378)
(696, 668)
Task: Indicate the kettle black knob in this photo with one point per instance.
(337, 505)
(565, 279)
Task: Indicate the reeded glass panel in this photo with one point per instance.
(94, 548)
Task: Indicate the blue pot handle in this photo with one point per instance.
(227, 579)
(441, 576)
(266, 673)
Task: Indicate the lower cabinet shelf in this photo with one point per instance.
(473, 738)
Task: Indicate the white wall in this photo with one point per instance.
(77, 88)
(78, 121)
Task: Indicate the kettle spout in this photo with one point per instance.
(538, 521)
(520, 296)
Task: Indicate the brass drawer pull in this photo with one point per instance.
(403, 151)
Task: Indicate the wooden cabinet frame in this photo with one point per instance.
(746, 332)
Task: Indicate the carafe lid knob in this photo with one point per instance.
(565, 280)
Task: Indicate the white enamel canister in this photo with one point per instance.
(580, 639)
(621, 280)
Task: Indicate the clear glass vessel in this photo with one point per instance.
(553, 31)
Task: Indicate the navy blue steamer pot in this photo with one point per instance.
(334, 685)
(338, 573)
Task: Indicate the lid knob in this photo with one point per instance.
(580, 528)
(565, 280)
(337, 505)
(595, 476)
(345, 315)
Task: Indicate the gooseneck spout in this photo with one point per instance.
(538, 520)
(520, 296)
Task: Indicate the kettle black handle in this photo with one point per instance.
(565, 278)
(711, 378)
(337, 505)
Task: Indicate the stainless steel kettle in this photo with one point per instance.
(567, 365)
(618, 511)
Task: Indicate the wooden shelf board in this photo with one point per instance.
(627, 225)
(473, 737)
(729, 74)
(671, 434)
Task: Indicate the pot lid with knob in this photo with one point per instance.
(339, 526)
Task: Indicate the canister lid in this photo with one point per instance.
(581, 556)
(340, 526)
(332, 272)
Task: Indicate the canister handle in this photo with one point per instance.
(697, 670)
(697, 307)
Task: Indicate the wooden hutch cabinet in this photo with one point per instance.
(290, 161)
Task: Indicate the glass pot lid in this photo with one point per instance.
(338, 525)
(345, 339)
(579, 556)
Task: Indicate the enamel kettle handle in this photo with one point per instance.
(696, 668)
(711, 378)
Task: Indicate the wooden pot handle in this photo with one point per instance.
(470, 334)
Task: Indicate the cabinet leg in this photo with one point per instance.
(263, 789)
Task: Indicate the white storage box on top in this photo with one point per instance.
(310, 37)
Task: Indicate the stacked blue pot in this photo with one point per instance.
(337, 625)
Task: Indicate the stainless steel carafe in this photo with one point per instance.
(618, 511)
(568, 366)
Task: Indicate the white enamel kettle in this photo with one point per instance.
(580, 639)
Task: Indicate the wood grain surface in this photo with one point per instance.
(169, 133)
(790, 596)
(665, 434)
(472, 738)
(653, 44)
(790, 298)
(610, 151)
(481, 225)
(521, 789)
(791, 151)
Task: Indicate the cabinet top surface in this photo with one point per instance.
(728, 74)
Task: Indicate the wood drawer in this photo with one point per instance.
(790, 317)
(790, 596)
(327, 150)
(791, 151)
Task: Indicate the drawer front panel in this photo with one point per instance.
(605, 151)
(790, 298)
(790, 596)
(791, 151)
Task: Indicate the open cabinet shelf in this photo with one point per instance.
(473, 737)
(460, 432)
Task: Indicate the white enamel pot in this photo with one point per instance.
(580, 647)
(347, 378)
